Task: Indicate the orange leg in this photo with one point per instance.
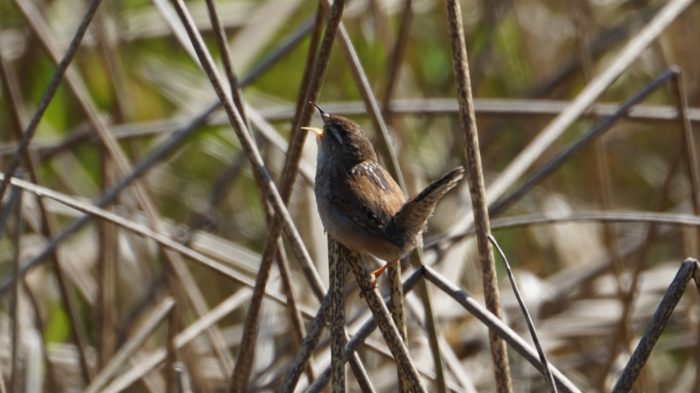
(378, 272)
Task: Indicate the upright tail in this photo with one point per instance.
(411, 220)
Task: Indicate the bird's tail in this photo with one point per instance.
(411, 220)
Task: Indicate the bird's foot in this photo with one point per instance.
(374, 276)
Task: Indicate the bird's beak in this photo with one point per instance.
(315, 130)
(325, 116)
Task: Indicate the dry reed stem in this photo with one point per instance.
(310, 86)
(63, 64)
(655, 327)
(439, 106)
(242, 370)
(375, 114)
(371, 104)
(359, 337)
(14, 100)
(395, 57)
(147, 233)
(622, 334)
(607, 217)
(159, 313)
(475, 178)
(301, 359)
(595, 132)
(295, 320)
(53, 381)
(15, 204)
(3, 389)
(112, 61)
(287, 180)
(605, 194)
(585, 98)
(183, 382)
(619, 216)
(107, 273)
(302, 102)
(396, 299)
(293, 311)
(667, 218)
(185, 285)
(337, 259)
(496, 325)
(603, 180)
(384, 321)
(144, 365)
(313, 334)
(155, 157)
(225, 53)
(517, 343)
(396, 303)
(696, 385)
(432, 330)
(485, 107)
(634, 248)
(526, 315)
(171, 355)
(364, 331)
(46, 98)
(689, 150)
(246, 350)
(316, 286)
(374, 111)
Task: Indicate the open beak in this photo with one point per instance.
(315, 130)
(325, 116)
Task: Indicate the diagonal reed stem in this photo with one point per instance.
(157, 155)
(49, 93)
(495, 324)
(686, 272)
(526, 315)
(407, 370)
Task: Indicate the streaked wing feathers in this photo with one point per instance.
(379, 196)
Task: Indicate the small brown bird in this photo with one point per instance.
(360, 204)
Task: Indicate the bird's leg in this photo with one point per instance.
(378, 272)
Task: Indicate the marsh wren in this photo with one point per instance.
(360, 204)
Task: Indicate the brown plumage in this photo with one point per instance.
(360, 204)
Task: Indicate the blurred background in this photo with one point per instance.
(590, 255)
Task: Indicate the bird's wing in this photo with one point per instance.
(379, 197)
(414, 214)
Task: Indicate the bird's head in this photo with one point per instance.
(341, 139)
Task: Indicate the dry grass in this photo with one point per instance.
(160, 233)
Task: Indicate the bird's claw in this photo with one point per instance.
(373, 281)
(374, 276)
